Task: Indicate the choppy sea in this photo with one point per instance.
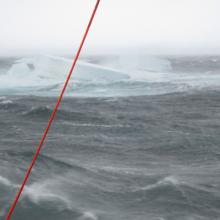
(134, 139)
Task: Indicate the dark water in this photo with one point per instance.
(131, 158)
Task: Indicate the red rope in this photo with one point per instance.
(8, 217)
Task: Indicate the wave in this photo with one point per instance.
(6, 182)
(169, 180)
(11, 105)
(79, 118)
(40, 193)
(100, 125)
(7, 105)
(45, 160)
(176, 191)
(42, 111)
(5, 101)
(46, 191)
(52, 190)
(58, 194)
(87, 215)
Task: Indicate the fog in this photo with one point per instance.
(147, 26)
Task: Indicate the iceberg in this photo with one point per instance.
(47, 70)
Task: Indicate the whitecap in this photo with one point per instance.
(5, 181)
(87, 215)
(5, 101)
(169, 180)
(99, 125)
(45, 191)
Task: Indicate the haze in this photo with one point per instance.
(153, 26)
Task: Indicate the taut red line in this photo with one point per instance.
(11, 210)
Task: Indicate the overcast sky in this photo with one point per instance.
(149, 25)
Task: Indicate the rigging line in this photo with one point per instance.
(12, 208)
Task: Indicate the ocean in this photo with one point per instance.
(136, 138)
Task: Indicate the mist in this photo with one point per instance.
(143, 26)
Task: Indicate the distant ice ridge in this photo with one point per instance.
(45, 75)
(138, 62)
(47, 70)
(125, 76)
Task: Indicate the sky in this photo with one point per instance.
(149, 26)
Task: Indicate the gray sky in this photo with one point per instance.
(148, 25)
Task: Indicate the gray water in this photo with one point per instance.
(154, 157)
